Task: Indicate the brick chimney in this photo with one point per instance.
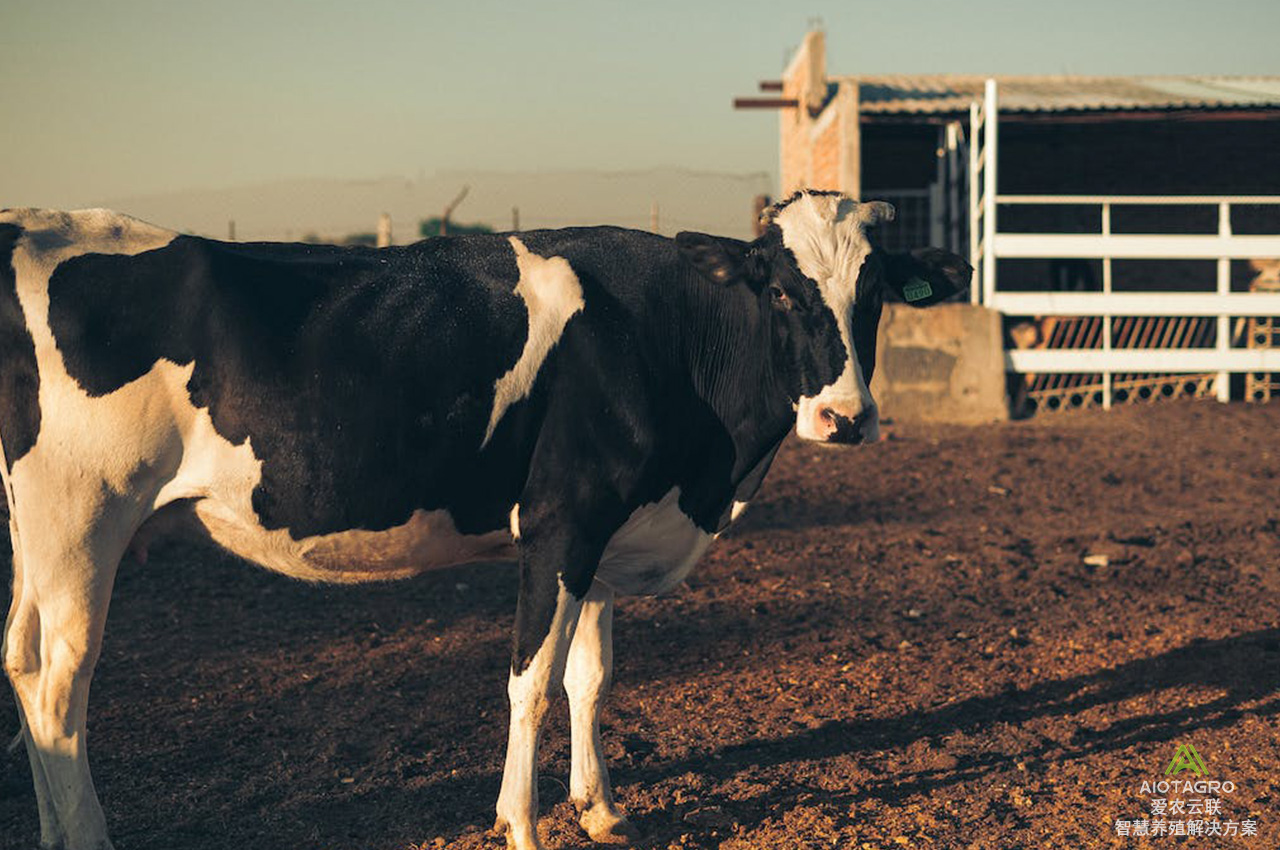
(819, 147)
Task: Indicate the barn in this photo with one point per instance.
(1125, 228)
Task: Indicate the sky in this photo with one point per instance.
(132, 97)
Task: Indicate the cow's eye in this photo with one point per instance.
(779, 296)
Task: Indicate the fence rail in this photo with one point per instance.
(1138, 303)
(1135, 246)
(1070, 361)
(1224, 305)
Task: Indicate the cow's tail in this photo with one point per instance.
(13, 745)
(6, 259)
(19, 372)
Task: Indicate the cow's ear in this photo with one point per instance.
(722, 261)
(926, 276)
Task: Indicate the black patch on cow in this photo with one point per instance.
(363, 378)
(925, 276)
(864, 325)
(19, 377)
(808, 351)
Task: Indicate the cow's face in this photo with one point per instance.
(821, 284)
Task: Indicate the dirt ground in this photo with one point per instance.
(898, 646)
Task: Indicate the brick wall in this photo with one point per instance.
(824, 163)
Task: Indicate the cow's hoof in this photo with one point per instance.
(606, 825)
(518, 838)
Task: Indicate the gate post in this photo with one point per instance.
(989, 184)
(1223, 384)
(974, 201)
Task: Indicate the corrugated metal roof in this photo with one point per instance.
(946, 93)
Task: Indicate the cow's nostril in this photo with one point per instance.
(846, 430)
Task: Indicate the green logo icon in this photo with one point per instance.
(1186, 758)
(917, 289)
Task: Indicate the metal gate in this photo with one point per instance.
(1105, 346)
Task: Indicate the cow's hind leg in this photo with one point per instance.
(586, 681)
(52, 642)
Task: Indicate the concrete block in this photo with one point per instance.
(940, 364)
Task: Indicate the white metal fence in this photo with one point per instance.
(988, 245)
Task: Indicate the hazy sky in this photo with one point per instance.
(110, 99)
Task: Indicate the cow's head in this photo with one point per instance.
(822, 282)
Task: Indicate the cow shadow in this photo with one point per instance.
(1245, 668)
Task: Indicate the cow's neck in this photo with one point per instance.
(719, 339)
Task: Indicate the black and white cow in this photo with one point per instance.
(597, 403)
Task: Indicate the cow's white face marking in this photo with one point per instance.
(654, 550)
(825, 234)
(552, 294)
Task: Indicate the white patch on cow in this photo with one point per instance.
(737, 510)
(551, 294)
(529, 692)
(514, 520)
(826, 234)
(654, 550)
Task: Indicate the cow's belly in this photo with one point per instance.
(655, 550)
(213, 491)
(429, 540)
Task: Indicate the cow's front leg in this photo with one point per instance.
(546, 615)
(586, 681)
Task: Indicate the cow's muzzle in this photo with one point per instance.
(843, 425)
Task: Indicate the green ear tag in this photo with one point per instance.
(917, 289)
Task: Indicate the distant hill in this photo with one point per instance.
(332, 208)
